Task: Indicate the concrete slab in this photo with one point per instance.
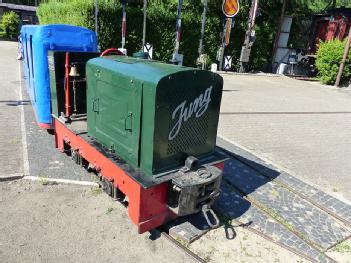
(302, 127)
(44, 159)
(11, 158)
(332, 205)
(67, 223)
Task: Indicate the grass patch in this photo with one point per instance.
(207, 258)
(95, 178)
(96, 192)
(181, 241)
(109, 210)
(343, 247)
(44, 181)
(224, 219)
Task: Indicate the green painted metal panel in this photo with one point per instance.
(177, 108)
(187, 107)
(114, 115)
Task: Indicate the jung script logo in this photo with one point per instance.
(183, 113)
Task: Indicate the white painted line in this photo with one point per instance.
(60, 181)
(23, 126)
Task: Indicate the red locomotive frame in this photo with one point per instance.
(147, 207)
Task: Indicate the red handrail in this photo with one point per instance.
(67, 99)
(111, 50)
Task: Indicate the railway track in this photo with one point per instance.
(263, 191)
(242, 205)
(343, 217)
(327, 210)
(191, 255)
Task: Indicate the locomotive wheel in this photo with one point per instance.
(119, 196)
(107, 186)
(75, 156)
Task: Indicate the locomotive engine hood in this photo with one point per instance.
(151, 114)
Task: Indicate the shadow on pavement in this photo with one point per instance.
(15, 102)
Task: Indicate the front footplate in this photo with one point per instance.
(195, 189)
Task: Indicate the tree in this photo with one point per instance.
(11, 22)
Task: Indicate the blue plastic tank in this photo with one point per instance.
(36, 42)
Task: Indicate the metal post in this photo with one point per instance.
(96, 17)
(124, 23)
(247, 42)
(344, 57)
(221, 56)
(178, 27)
(203, 21)
(276, 40)
(144, 24)
(67, 93)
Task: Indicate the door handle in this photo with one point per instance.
(129, 122)
(96, 105)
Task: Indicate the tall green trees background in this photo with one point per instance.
(161, 18)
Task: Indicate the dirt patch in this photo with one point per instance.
(41, 222)
(244, 247)
(65, 223)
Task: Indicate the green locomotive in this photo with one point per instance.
(148, 129)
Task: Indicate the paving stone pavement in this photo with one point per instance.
(303, 127)
(302, 217)
(287, 219)
(11, 155)
(332, 205)
(234, 206)
(44, 159)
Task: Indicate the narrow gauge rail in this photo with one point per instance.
(182, 248)
(299, 193)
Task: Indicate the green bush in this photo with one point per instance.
(160, 31)
(10, 22)
(329, 56)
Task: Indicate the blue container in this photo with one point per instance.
(36, 42)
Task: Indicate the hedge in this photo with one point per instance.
(329, 56)
(161, 19)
